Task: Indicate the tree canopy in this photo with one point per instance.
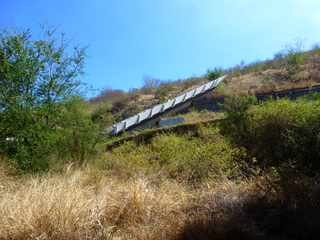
(38, 79)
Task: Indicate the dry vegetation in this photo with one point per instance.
(253, 175)
(181, 187)
(291, 68)
(201, 116)
(77, 205)
(84, 204)
(270, 80)
(153, 92)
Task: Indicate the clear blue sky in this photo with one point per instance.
(168, 39)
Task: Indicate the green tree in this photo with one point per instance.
(36, 76)
(78, 134)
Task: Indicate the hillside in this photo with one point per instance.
(289, 70)
(251, 176)
(249, 171)
(275, 75)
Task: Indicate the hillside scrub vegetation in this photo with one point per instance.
(292, 67)
(277, 132)
(208, 155)
(42, 115)
(251, 174)
(278, 135)
(85, 204)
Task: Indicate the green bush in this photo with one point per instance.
(184, 158)
(193, 159)
(294, 57)
(128, 160)
(30, 142)
(77, 133)
(215, 73)
(280, 132)
(39, 116)
(72, 136)
(236, 114)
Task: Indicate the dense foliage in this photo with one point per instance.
(186, 157)
(278, 132)
(39, 116)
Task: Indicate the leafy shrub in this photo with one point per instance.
(192, 159)
(39, 118)
(215, 73)
(236, 113)
(294, 57)
(77, 133)
(128, 160)
(280, 132)
(30, 142)
(183, 157)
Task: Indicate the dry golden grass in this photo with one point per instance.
(202, 116)
(269, 80)
(85, 204)
(79, 205)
